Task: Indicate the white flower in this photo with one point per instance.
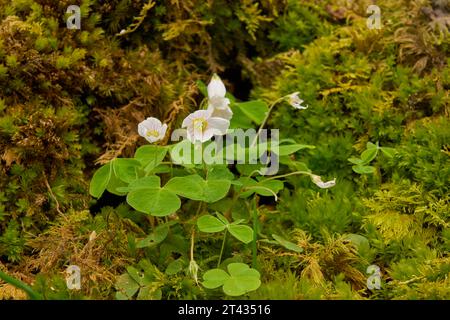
(201, 125)
(217, 103)
(216, 93)
(295, 101)
(324, 185)
(152, 129)
(225, 113)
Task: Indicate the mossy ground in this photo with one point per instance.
(71, 99)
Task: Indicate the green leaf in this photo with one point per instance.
(368, 155)
(296, 165)
(254, 110)
(100, 181)
(202, 88)
(183, 153)
(210, 224)
(239, 210)
(371, 145)
(222, 218)
(357, 239)
(247, 169)
(150, 156)
(364, 169)
(134, 273)
(355, 160)
(239, 280)
(215, 278)
(242, 279)
(285, 150)
(239, 119)
(219, 172)
(389, 152)
(142, 183)
(191, 187)
(126, 286)
(158, 235)
(154, 201)
(175, 267)
(126, 169)
(215, 190)
(264, 187)
(161, 168)
(287, 244)
(196, 188)
(115, 185)
(149, 293)
(242, 233)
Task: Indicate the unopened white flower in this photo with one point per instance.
(324, 185)
(193, 270)
(295, 101)
(216, 93)
(201, 125)
(152, 129)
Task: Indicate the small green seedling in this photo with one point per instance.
(361, 165)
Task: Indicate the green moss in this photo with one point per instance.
(72, 98)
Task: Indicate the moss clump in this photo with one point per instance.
(391, 86)
(71, 99)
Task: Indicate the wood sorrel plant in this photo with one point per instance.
(177, 187)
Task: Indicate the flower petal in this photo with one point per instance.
(219, 102)
(324, 185)
(295, 101)
(216, 88)
(162, 131)
(225, 113)
(218, 125)
(208, 134)
(141, 129)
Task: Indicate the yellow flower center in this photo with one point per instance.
(200, 124)
(152, 133)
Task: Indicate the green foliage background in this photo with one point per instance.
(70, 99)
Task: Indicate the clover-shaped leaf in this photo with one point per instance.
(196, 188)
(126, 169)
(241, 232)
(239, 280)
(155, 201)
(287, 149)
(142, 183)
(142, 280)
(191, 187)
(363, 169)
(150, 156)
(157, 236)
(210, 224)
(265, 187)
(100, 180)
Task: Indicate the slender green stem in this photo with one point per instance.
(228, 213)
(19, 284)
(264, 188)
(255, 226)
(289, 174)
(192, 243)
(266, 118)
(221, 249)
(199, 209)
